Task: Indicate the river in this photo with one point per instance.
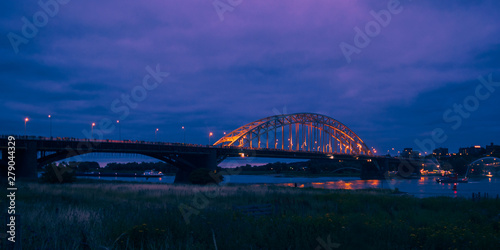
(423, 187)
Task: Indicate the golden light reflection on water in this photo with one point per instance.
(349, 185)
(291, 185)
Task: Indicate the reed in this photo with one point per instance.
(95, 215)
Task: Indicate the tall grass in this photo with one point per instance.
(147, 216)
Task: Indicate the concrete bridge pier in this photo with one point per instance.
(190, 162)
(375, 169)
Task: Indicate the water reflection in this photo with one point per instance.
(421, 180)
(422, 187)
(340, 184)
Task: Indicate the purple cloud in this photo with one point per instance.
(264, 55)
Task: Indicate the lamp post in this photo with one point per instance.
(50, 126)
(209, 135)
(92, 131)
(184, 131)
(119, 130)
(156, 131)
(25, 121)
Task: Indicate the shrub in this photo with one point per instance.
(61, 173)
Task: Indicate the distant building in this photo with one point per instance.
(406, 153)
(440, 152)
(409, 153)
(493, 149)
(474, 150)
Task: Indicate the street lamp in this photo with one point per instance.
(119, 130)
(156, 131)
(25, 121)
(92, 131)
(50, 121)
(184, 131)
(209, 135)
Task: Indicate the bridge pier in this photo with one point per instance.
(191, 162)
(375, 169)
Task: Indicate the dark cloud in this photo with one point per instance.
(263, 56)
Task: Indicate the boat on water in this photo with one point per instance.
(452, 179)
(152, 173)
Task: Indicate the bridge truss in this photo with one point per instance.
(299, 132)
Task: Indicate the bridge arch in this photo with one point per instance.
(300, 132)
(47, 159)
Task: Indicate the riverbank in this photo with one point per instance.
(91, 215)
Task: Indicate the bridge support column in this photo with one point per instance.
(192, 162)
(26, 161)
(376, 169)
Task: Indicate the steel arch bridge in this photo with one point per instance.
(299, 132)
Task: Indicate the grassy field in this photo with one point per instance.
(101, 215)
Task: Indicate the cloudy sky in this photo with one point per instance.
(233, 62)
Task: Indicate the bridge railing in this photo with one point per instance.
(72, 139)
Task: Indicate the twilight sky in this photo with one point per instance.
(78, 61)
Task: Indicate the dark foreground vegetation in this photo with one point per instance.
(97, 215)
